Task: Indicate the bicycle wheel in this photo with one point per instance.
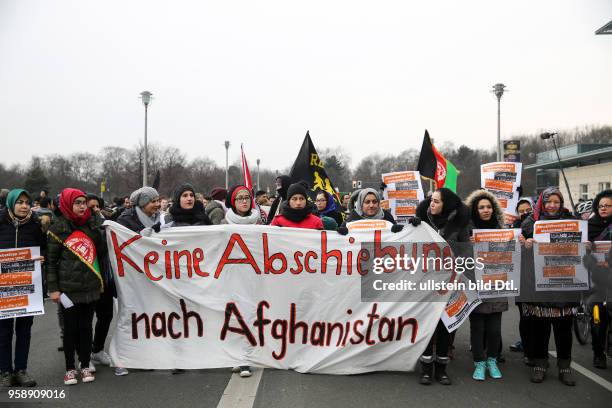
(582, 327)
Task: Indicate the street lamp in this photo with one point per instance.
(227, 145)
(258, 161)
(146, 100)
(498, 90)
(548, 135)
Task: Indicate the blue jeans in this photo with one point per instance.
(22, 326)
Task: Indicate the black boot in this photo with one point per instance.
(426, 373)
(566, 375)
(441, 375)
(539, 370)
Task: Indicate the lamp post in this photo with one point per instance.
(551, 136)
(146, 100)
(258, 161)
(227, 145)
(498, 90)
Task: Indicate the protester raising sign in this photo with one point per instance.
(20, 283)
(502, 180)
(221, 296)
(558, 253)
(403, 194)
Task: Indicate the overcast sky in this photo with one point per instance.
(369, 76)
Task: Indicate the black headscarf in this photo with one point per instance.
(193, 216)
(285, 181)
(450, 202)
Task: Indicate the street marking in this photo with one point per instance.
(241, 392)
(588, 373)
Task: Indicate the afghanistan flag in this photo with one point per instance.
(434, 166)
(309, 167)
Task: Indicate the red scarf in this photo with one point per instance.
(67, 199)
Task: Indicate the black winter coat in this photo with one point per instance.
(353, 216)
(27, 235)
(129, 219)
(456, 228)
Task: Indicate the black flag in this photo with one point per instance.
(157, 180)
(309, 168)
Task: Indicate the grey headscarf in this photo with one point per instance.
(359, 204)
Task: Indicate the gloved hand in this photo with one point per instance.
(147, 232)
(382, 186)
(415, 221)
(156, 227)
(342, 230)
(397, 227)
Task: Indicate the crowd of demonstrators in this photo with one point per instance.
(74, 213)
(19, 228)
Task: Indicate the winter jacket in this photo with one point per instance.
(456, 228)
(129, 219)
(495, 305)
(66, 273)
(310, 222)
(215, 212)
(26, 235)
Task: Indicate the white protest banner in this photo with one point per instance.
(459, 307)
(228, 295)
(502, 179)
(402, 194)
(558, 253)
(601, 250)
(500, 251)
(20, 283)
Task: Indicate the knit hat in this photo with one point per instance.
(143, 196)
(230, 198)
(178, 192)
(12, 197)
(296, 188)
(218, 193)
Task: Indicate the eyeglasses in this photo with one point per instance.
(80, 202)
(243, 198)
(320, 200)
(604, 206)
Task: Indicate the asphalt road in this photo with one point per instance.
(205, 388)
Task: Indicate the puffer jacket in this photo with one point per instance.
(494, 305)
(66, 273)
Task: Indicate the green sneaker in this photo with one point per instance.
(479, 370)
(493, 369)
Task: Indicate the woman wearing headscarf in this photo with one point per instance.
(282, 187)
(19, 228)
(186, 210)
(600, 229)
(296, 210)
(367, 207)
(239, 203)
(541, 316)
(485, 320)
(444, 212)
(74, 244)
(326, 207)
(143, 217)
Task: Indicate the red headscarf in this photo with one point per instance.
(67, 198)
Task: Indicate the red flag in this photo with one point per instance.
(246, 178)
